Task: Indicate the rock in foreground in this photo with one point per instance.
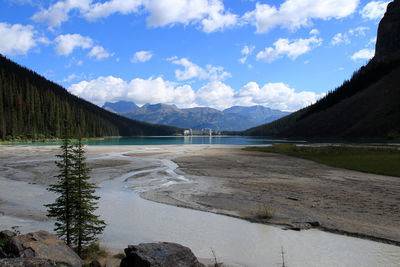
(161, 254)
(41, 245)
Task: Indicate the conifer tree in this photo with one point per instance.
(62, 208)
(87, 225)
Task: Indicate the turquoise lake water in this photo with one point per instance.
(178, 140)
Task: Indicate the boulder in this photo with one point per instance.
(5, 236)
(94, 263)
(161, 254)
(388, 38)
(29, 262)
(42, 245)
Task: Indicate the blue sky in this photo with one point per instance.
(280, 54)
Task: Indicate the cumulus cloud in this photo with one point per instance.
(142, 56)
(214, 94)
(211, 15)
(17, 39)
(191, 70)
(363, 54)
(290, 48)
(105, 9)
(275, 95)
(293, 14)
(374, 10)
(65, 44)
(57, 13)
(246, 52)
(140, 91)
(99, 53)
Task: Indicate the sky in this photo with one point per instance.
(280, 54)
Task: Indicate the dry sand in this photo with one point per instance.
(228, 180)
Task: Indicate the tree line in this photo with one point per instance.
(31, 107)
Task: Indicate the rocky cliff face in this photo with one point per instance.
(388, 39)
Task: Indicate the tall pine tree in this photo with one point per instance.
(87, 225)
(63, 207)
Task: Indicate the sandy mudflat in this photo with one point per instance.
(227, 180)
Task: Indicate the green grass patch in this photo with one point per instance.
(378, 160)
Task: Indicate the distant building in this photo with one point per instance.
(206, 131)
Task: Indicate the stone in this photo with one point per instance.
(29, 262)
(163, 254)
(6, 234)
(42, 245)
(388, 38)
(94, 263)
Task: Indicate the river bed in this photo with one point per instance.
(131, 220)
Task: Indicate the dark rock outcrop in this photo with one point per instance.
(388, 39)
(161, 254)
(42, 245)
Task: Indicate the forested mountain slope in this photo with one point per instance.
(366, 106)
(33, 107)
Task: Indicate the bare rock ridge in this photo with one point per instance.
(388, 38)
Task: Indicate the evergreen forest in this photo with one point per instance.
(34, 108)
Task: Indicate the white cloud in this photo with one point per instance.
(68, 42)
(292, 49)
(340, 38)
(246, 52)
(372, 42)
(17, 39)
(343, 38)
(275, 96)
(314, 32)
(142, 56)
(105, 9)
(215, 94)
(191, 70)
(99, 53)
(293, 14)
(140, 91)
(374, 10)
(358, 31)
(210, 15)
(363, 54)
(57, 13)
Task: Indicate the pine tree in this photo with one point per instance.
(87, 225)
(62, 208)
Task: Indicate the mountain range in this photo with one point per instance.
(236, 118)
(366, 106)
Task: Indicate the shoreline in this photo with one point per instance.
(227, 181)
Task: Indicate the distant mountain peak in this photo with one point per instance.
(120, 106)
